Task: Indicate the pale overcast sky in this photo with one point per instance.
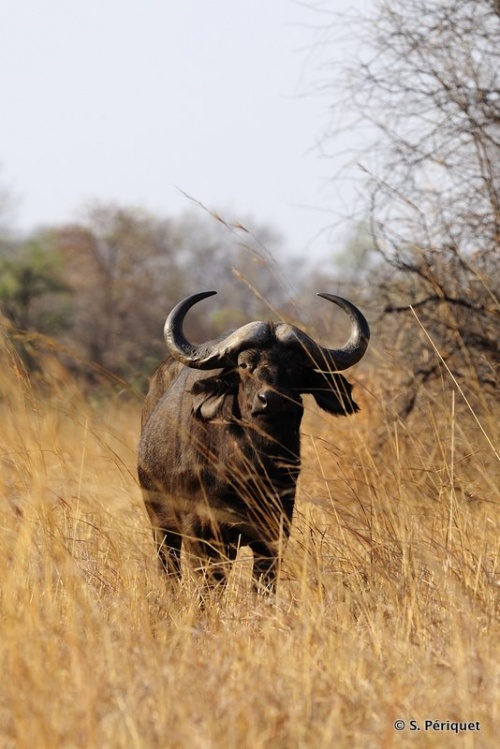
(133, 101)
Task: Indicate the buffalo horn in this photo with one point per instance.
(326, 358)
(256, 334)
(209, 355)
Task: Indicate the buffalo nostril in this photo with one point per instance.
(263, 399)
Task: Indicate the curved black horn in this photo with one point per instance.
(210, 355)
(336, 359)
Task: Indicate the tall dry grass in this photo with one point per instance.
(387, 610)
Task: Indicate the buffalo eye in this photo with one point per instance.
(246, 362)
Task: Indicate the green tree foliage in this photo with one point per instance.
(32, 285)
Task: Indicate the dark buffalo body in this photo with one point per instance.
(219, 455)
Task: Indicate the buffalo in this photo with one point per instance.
(219, 455)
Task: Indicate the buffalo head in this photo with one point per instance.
(274, 362)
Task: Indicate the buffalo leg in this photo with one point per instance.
(210, 556)
(169, 551)
(165, 532)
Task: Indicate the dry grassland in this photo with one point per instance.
(388, 607)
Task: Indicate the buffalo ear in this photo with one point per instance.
(209, 396)
(332, 392)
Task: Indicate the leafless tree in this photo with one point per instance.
(426, 81)
(119, 263)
